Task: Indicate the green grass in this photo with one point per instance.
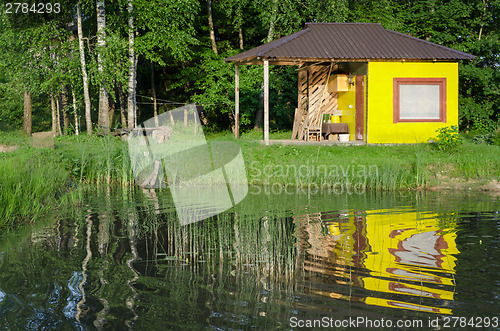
(32, 181)
(30, 184)
(392, 167)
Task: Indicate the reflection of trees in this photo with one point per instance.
(81, 311)
(102, 244)
(130, 302)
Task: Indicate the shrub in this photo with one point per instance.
(448, 139)
(484, 138)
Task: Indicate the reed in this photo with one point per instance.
(98, 160)
(29, 185)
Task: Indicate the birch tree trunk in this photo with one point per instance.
(211, 26)
(59, 117)
(65, 110)
(28, 112)
(75, 111)
(270, 33)
(54, 114)
(240, 34)
(101, 43)
(123, 111)
(131, 104)
(86, 96)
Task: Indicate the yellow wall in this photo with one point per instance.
(380, 126)
(346, 99)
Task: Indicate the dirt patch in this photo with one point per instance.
(5, 148)
(459, 184)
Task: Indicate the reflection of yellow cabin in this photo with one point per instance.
(406, 254)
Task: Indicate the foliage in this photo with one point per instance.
(448, 139)
(487, 138)
(39, 53)
(174, 36)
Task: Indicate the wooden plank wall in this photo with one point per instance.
(300, 112)
(312, 83)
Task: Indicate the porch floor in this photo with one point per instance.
(315, 143)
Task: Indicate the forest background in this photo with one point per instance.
(77, 66)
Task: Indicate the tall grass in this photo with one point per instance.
(29, 185)
(98, 160)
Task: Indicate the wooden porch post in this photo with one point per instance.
(266, 102)
(237, 102)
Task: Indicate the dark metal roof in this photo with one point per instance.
(348, 42)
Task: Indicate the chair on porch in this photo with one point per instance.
(313, 132)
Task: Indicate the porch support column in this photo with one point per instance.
(237, 102)
(266, 102)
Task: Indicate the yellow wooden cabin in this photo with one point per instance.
(381, 86)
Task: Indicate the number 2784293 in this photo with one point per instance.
(32, 8)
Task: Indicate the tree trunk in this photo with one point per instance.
(111, 113)
(65, 110)
(54, 114)
(270, 33)
(101, 43)
(86, 96)
(28, 111)
(153, 91)
(131, 104)
(58, 112)
(211, 26)
(75, 111)
(485, 4)
(240, 34)
(123, 111)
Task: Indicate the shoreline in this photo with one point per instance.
(50, 175)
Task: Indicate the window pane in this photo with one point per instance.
(419, 101)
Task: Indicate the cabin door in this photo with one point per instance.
(359, 125)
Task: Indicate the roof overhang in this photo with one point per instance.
(299, 61)
(347, 42)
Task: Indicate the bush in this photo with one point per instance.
(448, 139)
(487, 138)
(482, 138)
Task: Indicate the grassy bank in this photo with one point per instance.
(377, 167)
(33, 180)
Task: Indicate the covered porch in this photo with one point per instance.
(331, 99)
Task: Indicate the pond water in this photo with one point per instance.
(282, 260)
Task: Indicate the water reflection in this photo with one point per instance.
(126, 262)
(409, 255)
